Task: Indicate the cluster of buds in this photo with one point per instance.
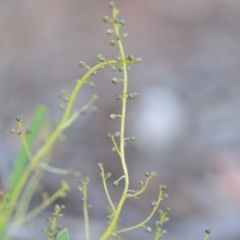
(19, 131)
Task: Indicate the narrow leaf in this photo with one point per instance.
(64, 235)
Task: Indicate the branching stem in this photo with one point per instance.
(113, 222)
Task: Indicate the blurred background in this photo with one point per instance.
(186, 119)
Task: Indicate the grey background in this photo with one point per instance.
(186, 118)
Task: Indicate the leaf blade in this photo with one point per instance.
(64, 235)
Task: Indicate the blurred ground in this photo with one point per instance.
(186, 119)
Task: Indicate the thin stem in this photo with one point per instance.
(47, 202)
(106, 189)
(27, 194)
(78, 113)
(26, 146)
(115, 145)
(115, 217)
(139, 192)
(141, 224)
(159, 224)
(85, 207)
(48, 144)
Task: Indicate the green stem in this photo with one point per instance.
(48, 145)
(113, 222)
(141, 224)
(47, 202)
(85, 208)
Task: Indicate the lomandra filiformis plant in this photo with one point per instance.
(29, 167)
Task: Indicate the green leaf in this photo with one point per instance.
(22, 159)
(64, 235)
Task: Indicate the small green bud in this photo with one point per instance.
(108, 175)
(83, 200)
(113, 42)
(167, 219)
(119, 97)
(111, 5)
(91, 84)
(57, 208)
(138, 60)
(147, 174)
(153, 204)
(82, 64)
(100, 57)
(158, 224)
(115, 80)
(148, 229)
(121, 22)
(132, 96)
(208, 231)
(130, 58)
(18, 132)
(141, 183)
(61, 107)
(63, 95)
(163, 187)
(113, 68)
(120, 68)
(107, 19)
(100, 164)
(133, 138)
(160, 211)
(125, 35)
(164, 231)
(109, 135)
(165, 196)
(153, 174)
(119, 58)
(168, 209)
(19, 119)
(113, 116)
(115, 183)
(117, 134)
(109, 31)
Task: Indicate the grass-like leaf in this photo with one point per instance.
(64, 235)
